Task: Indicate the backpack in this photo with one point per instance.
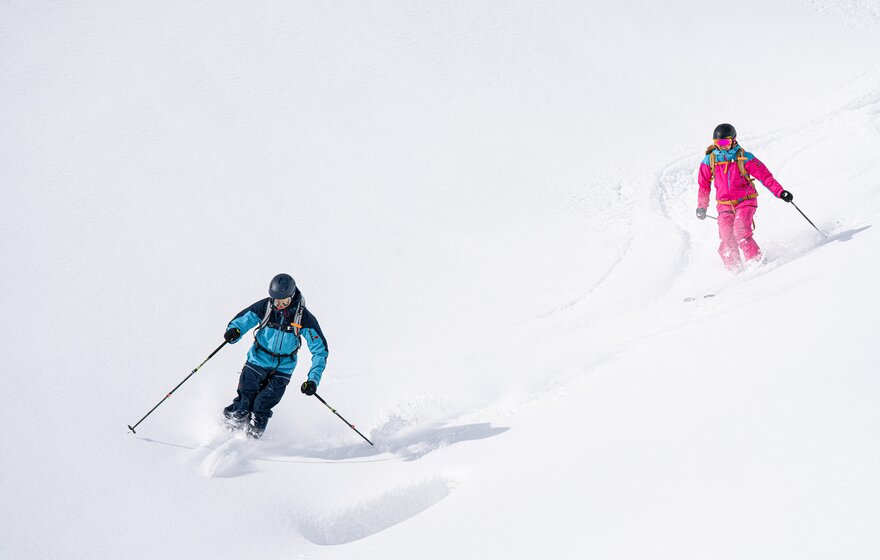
(295, 325)
(740, 162)
(740, 156)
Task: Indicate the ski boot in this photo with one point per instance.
(234, 422)
(254, 430)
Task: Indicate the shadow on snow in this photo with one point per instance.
(408, 445)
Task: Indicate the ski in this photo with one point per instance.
(705, 296)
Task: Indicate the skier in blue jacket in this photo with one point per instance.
(280, 320)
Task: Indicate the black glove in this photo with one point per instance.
(232, 335)
(309, 388)
(701, 213)
(786, 196)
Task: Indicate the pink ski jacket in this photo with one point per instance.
(730, 185)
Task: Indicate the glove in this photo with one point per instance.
(786, 196)
(232, 335)
(701, 213)
(308, 388)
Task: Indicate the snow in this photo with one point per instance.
(490, 209)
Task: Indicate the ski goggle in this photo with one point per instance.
(724, 143)
(282, 303)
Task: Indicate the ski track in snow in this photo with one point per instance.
(590, 291)
(621, 201)
(225, 454)
(408, 444)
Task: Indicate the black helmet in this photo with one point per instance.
(724, 130)
(282, 286)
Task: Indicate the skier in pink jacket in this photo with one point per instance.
(732, 169)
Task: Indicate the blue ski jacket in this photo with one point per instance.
(278, 338)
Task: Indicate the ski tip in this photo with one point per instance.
(706, 296)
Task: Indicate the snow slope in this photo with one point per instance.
(490, 209)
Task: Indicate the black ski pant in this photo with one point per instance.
(259, 390)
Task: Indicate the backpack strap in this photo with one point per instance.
(265, 316)
(297, 317)
(733, 203)
(262, 324)
(711, 167)
(741, 163)
(273, 354)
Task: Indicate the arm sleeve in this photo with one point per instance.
(248, 318)
(760, 172)
(317, 346)
(705, 183)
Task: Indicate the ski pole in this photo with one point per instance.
(130, 427)
(807, 219)
(333, 410)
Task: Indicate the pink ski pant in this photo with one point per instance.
(735, 231)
